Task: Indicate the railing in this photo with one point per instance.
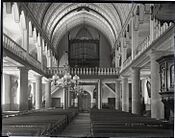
(16, 49)
(84, 71)
(159, 30)
(12, 46)
(147, 42)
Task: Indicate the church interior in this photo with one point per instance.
(88, 69)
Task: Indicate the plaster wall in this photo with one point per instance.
(106, 94)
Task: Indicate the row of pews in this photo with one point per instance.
(114, 123)
(44, 122)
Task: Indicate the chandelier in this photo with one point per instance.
(67, 80)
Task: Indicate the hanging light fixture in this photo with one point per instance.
(67, 80)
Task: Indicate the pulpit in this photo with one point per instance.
(167, 85)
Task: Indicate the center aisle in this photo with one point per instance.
(79, 127)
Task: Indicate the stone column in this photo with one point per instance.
(48, 94)
(136, 95)
(65, 98)
(99, 94)
(117, 97)
(23, 88)
(125, 94)
(38, 102)
(68, 98)
(34, 93)
(76, 102)
(6, 92)
(157, 107)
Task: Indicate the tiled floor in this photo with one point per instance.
(79, 127)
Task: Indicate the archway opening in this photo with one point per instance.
(84, 102)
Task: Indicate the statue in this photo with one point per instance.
(14, 88)
(148, 86)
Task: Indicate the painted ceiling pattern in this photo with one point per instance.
(58, 18)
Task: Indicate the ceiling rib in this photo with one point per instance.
(45, 11)
(76, 10)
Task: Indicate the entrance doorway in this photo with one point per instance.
(111, 103)
(84, 102)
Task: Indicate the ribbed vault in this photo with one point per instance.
(57, 18)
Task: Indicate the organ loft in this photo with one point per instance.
(87, 69)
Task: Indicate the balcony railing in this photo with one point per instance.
(147, 42)
(84, 71)
(16, 49)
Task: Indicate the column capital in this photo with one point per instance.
(38, 76)
(23, 68)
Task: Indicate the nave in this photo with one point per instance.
(71, 123)
(79, 127)
(107, 68)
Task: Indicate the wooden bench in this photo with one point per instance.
(113, 122)
(37, 123)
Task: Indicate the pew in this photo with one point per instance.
(45, 122)
(108, 123)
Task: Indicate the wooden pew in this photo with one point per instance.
(37, 123)
(112, 123)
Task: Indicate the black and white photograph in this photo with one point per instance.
(87, 69)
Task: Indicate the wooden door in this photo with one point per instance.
(111, 103)
(56, 102)
(84, 102)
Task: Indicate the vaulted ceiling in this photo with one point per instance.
(58, 18)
